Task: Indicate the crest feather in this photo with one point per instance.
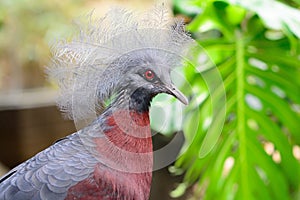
(88, 68)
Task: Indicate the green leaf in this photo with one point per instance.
(166, 114)
(272, 12)
(257, 59)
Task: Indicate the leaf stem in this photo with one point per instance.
(241, 122)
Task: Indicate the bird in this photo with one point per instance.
(116, 64)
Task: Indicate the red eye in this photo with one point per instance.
(149, 75)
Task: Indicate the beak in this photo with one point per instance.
(176, 93)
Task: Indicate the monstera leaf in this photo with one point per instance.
(242, 133)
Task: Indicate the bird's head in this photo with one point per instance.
(124, 55)
(144, 78)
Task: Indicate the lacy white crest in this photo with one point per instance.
(88, 67)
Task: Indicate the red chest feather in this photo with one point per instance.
(127, 145)
(130, 131)
(108, 184)
(125, 158)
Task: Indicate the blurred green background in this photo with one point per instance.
(243, 133)
(242, 126)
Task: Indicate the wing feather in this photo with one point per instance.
(50, 173)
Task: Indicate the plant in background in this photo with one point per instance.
(26, 30)
(255, 48)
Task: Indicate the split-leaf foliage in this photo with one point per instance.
(242, 133)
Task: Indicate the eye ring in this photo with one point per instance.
(149, 75)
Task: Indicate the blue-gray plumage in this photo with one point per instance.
(111, 158)
(50, 173)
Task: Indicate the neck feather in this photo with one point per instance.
(129, 130)
(128, 143)
(138, 100)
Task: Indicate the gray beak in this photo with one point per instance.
(176, 93)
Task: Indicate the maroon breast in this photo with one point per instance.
(125, 158)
